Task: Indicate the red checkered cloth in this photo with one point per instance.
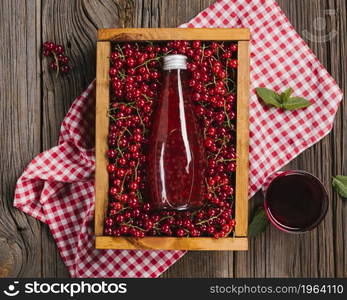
(58, 185)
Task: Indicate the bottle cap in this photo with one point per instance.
(175, 61)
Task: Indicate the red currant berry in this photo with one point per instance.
(131, 61)
(116, 232)
(124, 229)
(111, 168)
(148, 224)
(196, 44)
(209, 142)
(233, 64)
(233, 47)
(200, 110)
(133, 203)
(116, 206)
(124, 198)
(208, 52)
(46, 52)
(120, 219)
(49, 46)
(146, 207)
(180, 232)
(111, 153)
(109, 222)
(134, 186)
(211, 229)
(112, 212)
(59, 49)
(108, 231)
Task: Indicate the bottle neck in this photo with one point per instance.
(175, 61)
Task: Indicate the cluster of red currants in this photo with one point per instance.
(135, 82)
(60, 61)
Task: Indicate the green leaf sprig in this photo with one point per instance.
(340, 184)
(259, 223)
(283, 100)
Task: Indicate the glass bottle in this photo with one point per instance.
(176, 157)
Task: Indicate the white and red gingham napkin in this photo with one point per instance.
(58, 185)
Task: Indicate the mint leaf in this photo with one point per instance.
(258, 223)
(283, 100)
(286, 94)
(268, 96)
(340, 184)
(294, 103)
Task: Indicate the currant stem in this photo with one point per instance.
(57, 63)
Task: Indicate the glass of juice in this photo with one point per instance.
(295, 201)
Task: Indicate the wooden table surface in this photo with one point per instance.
(33, 104)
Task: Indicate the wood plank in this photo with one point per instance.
(242, 140)
(20, 245)
(172, 243)
(313, 253)
(338, 139)
(101, 134)
(52, 114)
(168, 34)
(319, 253)
(73, 24)
(58, 92)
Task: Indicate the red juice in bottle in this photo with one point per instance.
(176, 157)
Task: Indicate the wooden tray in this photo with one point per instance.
(105, 37)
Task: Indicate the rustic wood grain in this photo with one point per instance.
(172, 243)
(32, 108)
(73, 24)
(321, 253)
(169, 34)
(242, 140)
(338, 139)
(20, 245)
(101, 133)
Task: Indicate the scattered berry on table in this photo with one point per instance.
(59, 62)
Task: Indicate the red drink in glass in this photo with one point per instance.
(295, 201)
(176, 158)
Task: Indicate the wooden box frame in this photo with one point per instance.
(105, 37)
